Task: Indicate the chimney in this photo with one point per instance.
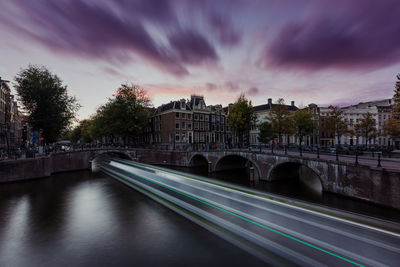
(292, 103)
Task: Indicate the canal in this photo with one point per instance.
(90, 219)
(87, 219)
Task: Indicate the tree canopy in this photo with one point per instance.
(303, 123)
(392, 126)
(242, 117)
(280, 119)
(335, 122)
(125, 115)
(266, 132)
(366, 127)
(43, 96)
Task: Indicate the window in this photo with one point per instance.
(183, 125)
(177, 115)
(202, 137)
(177, 125)
(201, 126)
(189, 116)
(183, 135)
(183, 116)
(206, 117)
(207, 126)
(177, 136)
(189, 125)
(196, 125)
(212, 118)
(196, 117)
(201, 117)
(217, 127)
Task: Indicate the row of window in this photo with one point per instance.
(183, 125)
(200, 117)
(180, 115)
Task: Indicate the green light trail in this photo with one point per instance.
(248, 220)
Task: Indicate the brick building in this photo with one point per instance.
(186, 123)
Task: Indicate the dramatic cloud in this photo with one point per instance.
(253, 91)
(211, 87)
(192, 47)
(111, 31)
(341, 34)
(224, 29)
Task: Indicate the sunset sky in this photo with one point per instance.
(326, 52)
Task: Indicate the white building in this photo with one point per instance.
(381, 112)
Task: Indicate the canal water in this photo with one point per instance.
(90, 219)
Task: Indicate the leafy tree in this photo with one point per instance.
(303, 123)
(242, 117)
(46, 101)
(366, 127)
(392, 126)
(396, 99)
(125, 115)
(81, 132)
(266, 132)
(336, 124)
(280, 119)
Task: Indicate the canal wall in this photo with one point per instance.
(32, 168)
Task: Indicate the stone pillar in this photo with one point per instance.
(209, 167)
(252, 174)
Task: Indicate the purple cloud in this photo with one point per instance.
(111, 31)
(211, 87)
(341, 34)
(253, 91)
(224, 29)
(192, 48)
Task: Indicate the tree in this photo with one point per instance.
(81, 132)
(46, 100)
(279, 117)
(336, 124)
(266, 133)
(125, 115)
(242, 117)
(392, 126)
(366, 127)
(303, 123)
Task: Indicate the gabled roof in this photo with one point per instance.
(270, 106)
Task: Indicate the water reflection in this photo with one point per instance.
(85, 219)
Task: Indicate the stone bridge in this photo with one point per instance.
(370, 183)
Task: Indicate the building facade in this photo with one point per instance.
(190, 123)
(263, 114)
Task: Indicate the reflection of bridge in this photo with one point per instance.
(365, 181)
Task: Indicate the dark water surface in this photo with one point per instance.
(85, 219)
(296, 189)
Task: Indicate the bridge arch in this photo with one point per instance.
(198, 160)
(308, 175)
(98, 156)
(235, 161)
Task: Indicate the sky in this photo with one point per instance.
(311, 51)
